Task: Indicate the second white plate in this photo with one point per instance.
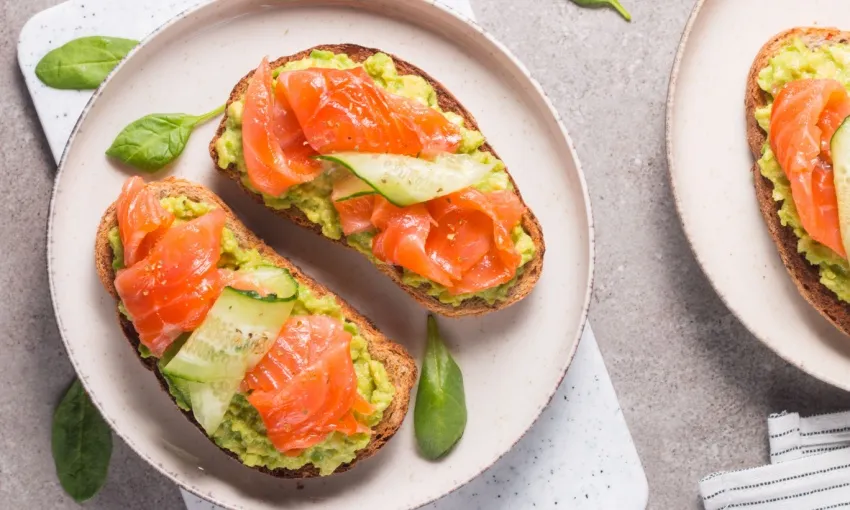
(710, 168)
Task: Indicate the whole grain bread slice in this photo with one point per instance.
(399, 365)
(475, 306)
(805, 275)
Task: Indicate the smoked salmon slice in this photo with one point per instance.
(487, 273)
(805, 115)
(299, 155)
(171, 290)
(344, 110)
(402, 238)
(305, 387)
(288, 121)
(502, 208)
(489, 216)
(141, 220)
(355, 214)
(276, 153)
(462, 240)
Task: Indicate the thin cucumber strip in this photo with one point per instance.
(405, 180)
(277, 283)
(236, 333)
(350, 186)
(209, 401)
(840, 149)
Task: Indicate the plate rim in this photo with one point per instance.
(671, 101)
(469, 25)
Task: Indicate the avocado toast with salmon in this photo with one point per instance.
(796, 107)
(276, 370)
(371, 152)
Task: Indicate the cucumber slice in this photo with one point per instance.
(237, 332)
(404, 180)
(209, 401)
(350, 186)
(840, 149)
(277, 280)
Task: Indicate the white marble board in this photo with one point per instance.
(579, 454)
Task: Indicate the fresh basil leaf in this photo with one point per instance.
(155, 140)
(82, 445)
(439, 417)
(615, 4)
(82, 63)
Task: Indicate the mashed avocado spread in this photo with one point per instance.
(242, 431)
(798, 61)
(313, 198)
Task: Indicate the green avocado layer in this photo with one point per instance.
(794, 62)
(242, 431)
(314, 198)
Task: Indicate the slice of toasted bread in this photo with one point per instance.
(805, 275)
(475, 306)
(400, 366)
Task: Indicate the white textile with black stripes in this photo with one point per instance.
(809, 469)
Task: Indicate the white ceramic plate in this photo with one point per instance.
(512, 360)
(710, 166)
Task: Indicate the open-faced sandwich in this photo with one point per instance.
(797, 106)
(275, 369)
(371, 152)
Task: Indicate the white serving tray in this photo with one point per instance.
(579, 453)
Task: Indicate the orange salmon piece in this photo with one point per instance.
(171, 290)
(402, 237)
(269, 129)
(305, 387)
(344, 110)
(473, 239)
(805, 115)
(142, 220)
(355, 214)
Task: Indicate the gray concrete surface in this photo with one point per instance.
(694, 385)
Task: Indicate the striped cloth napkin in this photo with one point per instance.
(809, 469)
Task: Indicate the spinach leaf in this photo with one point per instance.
(605, 3)
(155, 140)
(82, 63)
(439, 417)
(82, 445)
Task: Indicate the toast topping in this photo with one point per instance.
(793, 62)
(305, 387)
(227, 305)
(462, 240)
(276, 154)
(171, 290)
(142, 220)
(330, 103)
(344, 110)
(805, 115)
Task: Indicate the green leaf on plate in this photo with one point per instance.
(82, 445)
(615, 4)
(439, 417)
(83, 63)
(153, 141)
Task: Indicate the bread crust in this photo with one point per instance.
(806, 276)
(475, 306)
(400, 366)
